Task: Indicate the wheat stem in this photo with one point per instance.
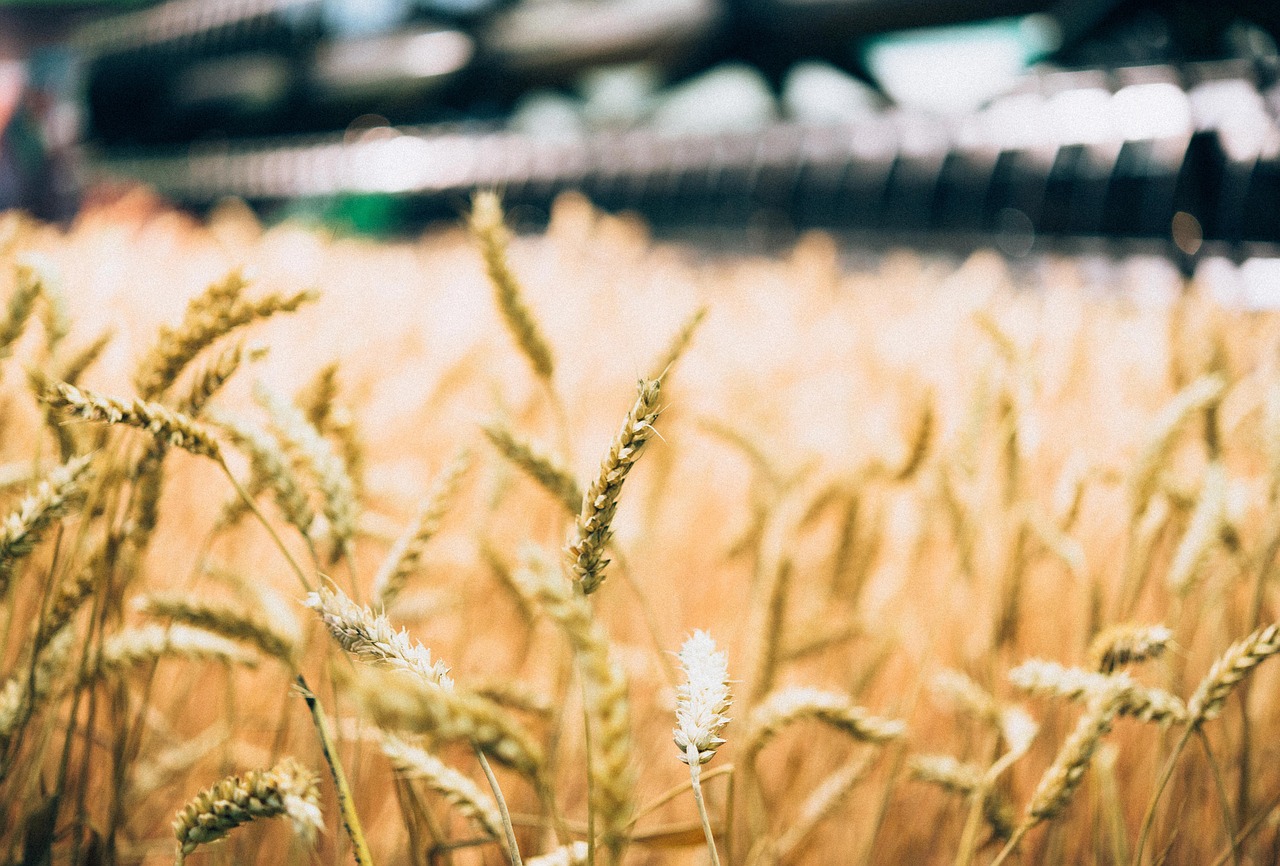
(513, 849)
(346, 803)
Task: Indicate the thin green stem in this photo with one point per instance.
(275, 536)
(1165, 774)
(513, 848)
(695, 771)
(1228, 823)
(1012, 844)
(346, 804)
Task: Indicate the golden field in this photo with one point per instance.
(884, 491)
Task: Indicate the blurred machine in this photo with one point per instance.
(1027, 120)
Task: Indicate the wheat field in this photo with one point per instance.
(431, 548)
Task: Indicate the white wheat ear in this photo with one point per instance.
(703, 699)
(700, 706)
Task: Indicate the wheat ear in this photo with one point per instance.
(679, 343)
(585, 553)
(796, 703)
(306, 447)
(458, 791)
(605, 694)
(1198, 396)
(21, 303)
(400, 702)
(271, 470)
(1129, 698)
(372, 638)
(966, 696)
(22, 529)
(22, 693)
(213, 314)
(165, 424)
(538, 465)
(1126, 644)
(490, 232)
(150, 643)
(223, 619)
(210, 380)
(1060, 780)
(701, 702)
(404, 556)
(1204, 530)
(1226, 673)
(288, 789)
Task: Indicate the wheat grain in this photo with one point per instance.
(585, 553)
(288, 789)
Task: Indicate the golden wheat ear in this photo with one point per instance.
(287, 790)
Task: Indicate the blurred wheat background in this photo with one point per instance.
(884, 491)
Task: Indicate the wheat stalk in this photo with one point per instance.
(288, 789)
(605, 693)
